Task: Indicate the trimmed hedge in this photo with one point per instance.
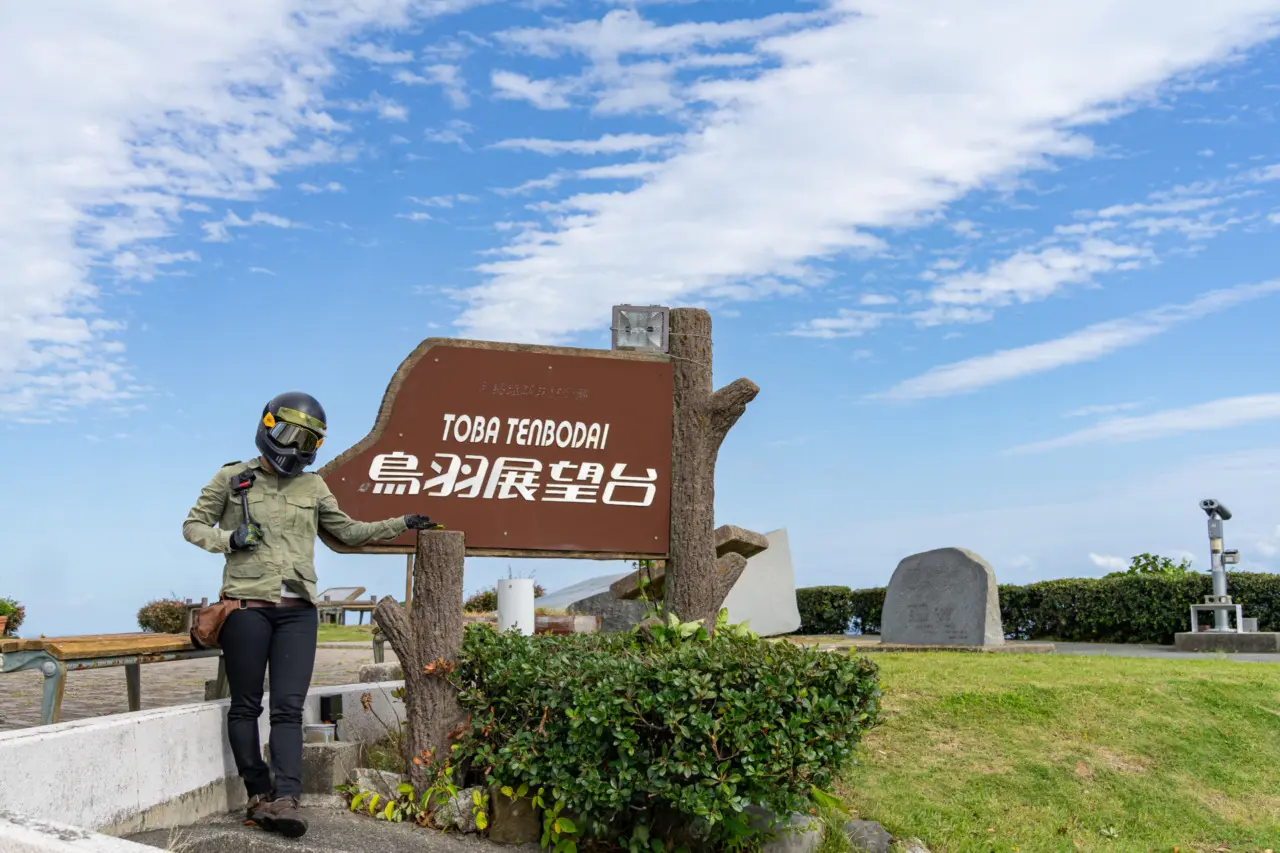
(1128, 608)
(623, 731)
(824, 609)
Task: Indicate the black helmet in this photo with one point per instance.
(290, 431)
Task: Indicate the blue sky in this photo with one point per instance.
(1006, 273)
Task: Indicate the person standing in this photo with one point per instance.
(270, 571)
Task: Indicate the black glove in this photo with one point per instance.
(420, 522)
(246, 537)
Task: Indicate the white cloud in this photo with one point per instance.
(797, 162)
(331, 187)
(1102, 409)
(416, 216)
(610, 143)
(1217, 414)
(848, 323)
(1087, 344)
(454, 132)
(876, 299)
(1034, 275)
(379, 55)
(1108, 563)
(120, 117)
(219, 230)
(543, 94)
(447, 77)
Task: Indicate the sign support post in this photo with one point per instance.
(697, 581)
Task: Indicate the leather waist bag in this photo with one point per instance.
(207, 622)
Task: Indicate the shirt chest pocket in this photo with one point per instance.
(300, 514)
(233, 516)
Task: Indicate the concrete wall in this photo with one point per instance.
(765, 594)
(153, 769)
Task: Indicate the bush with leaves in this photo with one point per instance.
(15, 613)
(486, 600)
(1126, 607)
(1152, 564)
(617, 730)
(163, 616)
(824, 609)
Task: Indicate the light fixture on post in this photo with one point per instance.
(641, 328)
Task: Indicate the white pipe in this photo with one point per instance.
(515, 605)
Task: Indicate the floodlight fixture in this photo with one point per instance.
(641, 328)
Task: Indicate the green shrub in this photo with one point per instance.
(824, 609)
(486, 600)
(1136, 606)
(622, 729)
(163, 616)
(16, 613)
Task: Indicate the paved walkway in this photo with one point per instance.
(98, 692)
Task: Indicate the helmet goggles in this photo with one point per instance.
(291, 428)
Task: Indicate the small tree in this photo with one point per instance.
(1151, 564)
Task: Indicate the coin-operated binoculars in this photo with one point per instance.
(1220, 603)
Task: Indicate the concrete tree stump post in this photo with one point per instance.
(696, 580)
(427, 637)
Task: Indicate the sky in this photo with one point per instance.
(1006, 273)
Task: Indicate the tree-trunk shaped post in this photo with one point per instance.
(697, 582)
(427, 639)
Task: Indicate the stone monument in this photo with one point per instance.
(945, 597)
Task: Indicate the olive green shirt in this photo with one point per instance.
(289, 511)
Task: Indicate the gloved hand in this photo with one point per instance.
(246, 537)
(420, 522)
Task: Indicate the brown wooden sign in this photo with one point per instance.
(529, 451)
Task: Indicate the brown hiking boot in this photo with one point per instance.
(255, 802)
(280, 815)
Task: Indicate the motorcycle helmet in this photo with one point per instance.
(290, 432)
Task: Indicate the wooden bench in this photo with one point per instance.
(53, 657)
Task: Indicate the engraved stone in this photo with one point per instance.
(945, 597)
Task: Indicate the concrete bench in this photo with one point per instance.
(53, 657)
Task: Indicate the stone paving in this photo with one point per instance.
(98, 692)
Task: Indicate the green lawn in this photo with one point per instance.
(1039, 753)
(345, 633)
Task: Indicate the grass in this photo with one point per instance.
(1040, 753)
(328, 633)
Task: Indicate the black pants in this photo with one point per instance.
(286, 637)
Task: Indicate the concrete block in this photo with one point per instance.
(944, 597)
(798, 833)
(373, 672)
(514, 821)
(20, 834)
(1250, 642)
(157, 768)
(327, 765)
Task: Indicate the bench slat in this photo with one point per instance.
(101, 645)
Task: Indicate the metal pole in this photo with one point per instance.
(1221, 620)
